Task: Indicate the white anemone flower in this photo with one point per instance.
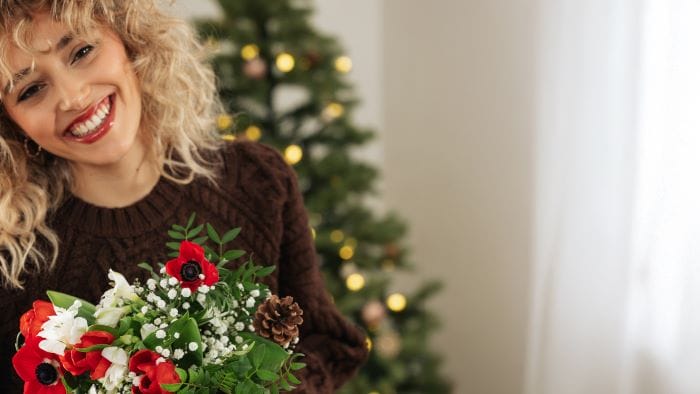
(62, 329)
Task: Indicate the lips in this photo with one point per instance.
(94, 123)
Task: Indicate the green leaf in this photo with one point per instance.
(189, 332)
(213, 235)
(297, 366)
(266, 375)
(179, 228)
(147, 267)
(173, 245)
(171, 387)
(61, 300)
(230, 235)
(293, 378)
(201, 240)
(257, 356)
(233, 254)
(265, 271)
(182, 374)
(248, 387)
(176, 235)
(195, 231)
(190, 221)
(94, 347)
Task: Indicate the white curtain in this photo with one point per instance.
(616, 283)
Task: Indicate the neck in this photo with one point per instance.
(116, 185)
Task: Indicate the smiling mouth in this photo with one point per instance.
(94, 124)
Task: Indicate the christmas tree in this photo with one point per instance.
(285, 84)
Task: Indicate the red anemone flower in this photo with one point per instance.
(151, 373)
(31, 321)
(77, 362)
(40, 370)
(191, 268)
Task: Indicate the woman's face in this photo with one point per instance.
(81, 99)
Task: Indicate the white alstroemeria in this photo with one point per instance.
(93, 390)
(110, 316)
(111, 309)
(117, 372)
(62, 329)
(121, 290)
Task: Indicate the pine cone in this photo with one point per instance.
(278, 320)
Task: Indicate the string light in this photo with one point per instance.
(343, 64)
(224, 121)
(368, 343)
(293, 154)
(351, 242)
(337, 236)
(250, 52)
(396, 302)
(284, 62)
(346, 252)
(355, 282)
(228, 137)
(313, 233)
(253, 133)
(333, 111)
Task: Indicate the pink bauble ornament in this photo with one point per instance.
(255, 68)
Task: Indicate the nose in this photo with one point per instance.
(73, 94)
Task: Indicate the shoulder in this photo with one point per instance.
(255, 166)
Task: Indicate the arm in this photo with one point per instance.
(334, 348)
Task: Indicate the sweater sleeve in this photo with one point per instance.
(334, 347)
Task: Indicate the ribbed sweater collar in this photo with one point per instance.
(152, 211)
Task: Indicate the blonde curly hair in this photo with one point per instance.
(179, 108)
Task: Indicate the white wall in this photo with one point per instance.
(458, 141)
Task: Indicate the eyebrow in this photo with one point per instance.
(62, 43)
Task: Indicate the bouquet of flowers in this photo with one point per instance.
(193, 327)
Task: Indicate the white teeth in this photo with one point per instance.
(89, 126)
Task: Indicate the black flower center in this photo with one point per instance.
(46, 374)
(190, 271)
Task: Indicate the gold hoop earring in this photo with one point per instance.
(27, 150)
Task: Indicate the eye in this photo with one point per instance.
(29, 92)
(82, 52)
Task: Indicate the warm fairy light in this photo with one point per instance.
(228, 137)
(374, 392)
(368, 343)
(293, 154)
(224, 121)
(313, 233)
(333, 111)
(253, 133)
(337, 236)
(250, 52)
(346, 252)
(355, 282)
(285, 62)
(343, 64)
(396, 302)
(351, 242)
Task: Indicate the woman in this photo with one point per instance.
(106, 139)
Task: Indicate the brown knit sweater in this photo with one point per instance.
(256, 191)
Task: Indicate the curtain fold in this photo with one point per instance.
(616, 296)
(587, 80)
